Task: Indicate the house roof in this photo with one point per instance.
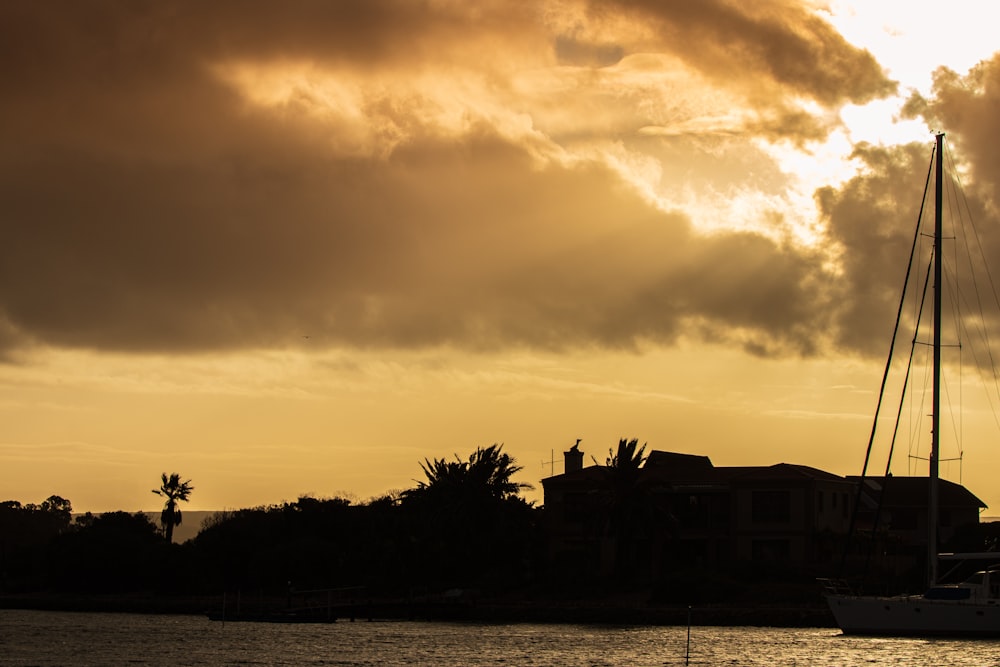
(789, 471)
(676, 461)
(594, 472)
(913, 492)
(689, 469)
(685, 473)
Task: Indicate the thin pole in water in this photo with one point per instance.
(687, 650)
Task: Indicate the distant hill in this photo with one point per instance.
(190, 523)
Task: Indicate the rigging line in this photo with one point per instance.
(895, 429)
(888, 365)
(917, 411)
(978, 338)
(917, 405)
(958, 301)
(955, 424)
(959, 232)
(960, 191)
(960, 436)
(990, 397)
(965, 224)
(956, 294)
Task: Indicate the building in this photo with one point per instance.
(681, 510)
(894, 513)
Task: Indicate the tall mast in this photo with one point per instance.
(932, 495)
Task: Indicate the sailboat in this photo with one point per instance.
(970, 608)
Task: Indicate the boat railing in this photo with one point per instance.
(836, 586)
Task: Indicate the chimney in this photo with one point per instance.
(573, 460)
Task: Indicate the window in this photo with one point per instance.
(771, 506)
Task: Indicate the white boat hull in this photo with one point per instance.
(914, 616)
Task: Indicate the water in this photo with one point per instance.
(68, 638)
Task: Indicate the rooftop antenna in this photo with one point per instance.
(551, 462)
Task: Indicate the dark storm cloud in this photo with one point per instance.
(145, 204)
(151, 259)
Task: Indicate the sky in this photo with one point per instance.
(297, 248)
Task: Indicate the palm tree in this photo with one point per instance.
(467, 515)
(491, 470)
(627, 506)
(174, 490)
(628, 459)
(487, 473)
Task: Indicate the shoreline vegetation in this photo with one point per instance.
(364, 609)
(462, 545)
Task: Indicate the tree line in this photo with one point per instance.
(464, 525)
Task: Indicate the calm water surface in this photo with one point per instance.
(65, 638)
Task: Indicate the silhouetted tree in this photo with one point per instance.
(468, 519)
(25, 533)
(628, 507)
(174, 490)
(59, 510)
(628, 458)
(487, 473)
(34, 523)
(492, 469)
(114, 551)
(308, 542)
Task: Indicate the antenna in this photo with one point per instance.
(551, 462)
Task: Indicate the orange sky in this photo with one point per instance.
(299, 247)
